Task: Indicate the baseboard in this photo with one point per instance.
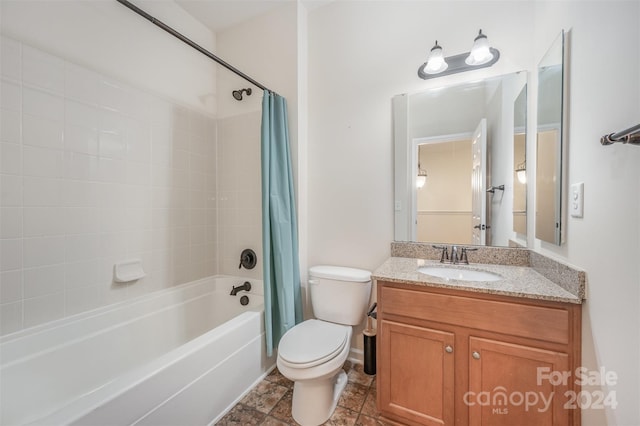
(356, 356)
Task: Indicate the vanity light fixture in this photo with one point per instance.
(480, 56)
(521, 172)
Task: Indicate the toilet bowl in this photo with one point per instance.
(312, 353)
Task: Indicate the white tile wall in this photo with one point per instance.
(92, 172)
(239, 191)
(42, 69)
(11, 54)
(11, 286)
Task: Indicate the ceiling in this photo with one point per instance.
(219, 15)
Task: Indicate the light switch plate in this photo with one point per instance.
(576, 200)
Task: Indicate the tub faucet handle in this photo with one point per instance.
(248, 259)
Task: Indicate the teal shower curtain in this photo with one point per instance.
(281, 270)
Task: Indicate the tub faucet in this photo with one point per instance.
(246, 287)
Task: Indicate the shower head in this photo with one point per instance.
(237, 94)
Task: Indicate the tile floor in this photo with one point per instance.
(269, 403)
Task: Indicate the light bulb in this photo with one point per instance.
(435, 62)
(480, 53)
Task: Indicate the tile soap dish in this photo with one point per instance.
(131, 270)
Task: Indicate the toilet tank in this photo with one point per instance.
(339, 294)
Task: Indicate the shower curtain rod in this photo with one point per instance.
(191, 43)
(630, 135)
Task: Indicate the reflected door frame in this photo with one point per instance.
(557, 177)
(479, 184)
(413, 166)
(517, 131)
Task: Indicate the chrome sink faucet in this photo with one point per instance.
(454, 254)
(455, 258)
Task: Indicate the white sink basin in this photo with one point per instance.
(460, 274)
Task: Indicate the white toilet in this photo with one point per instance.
(312, 353)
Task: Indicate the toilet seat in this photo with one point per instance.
(312, 342)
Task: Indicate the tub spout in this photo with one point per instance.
(246, 287)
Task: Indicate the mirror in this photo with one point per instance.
(549, 144)
(460, 141)
(520, 161)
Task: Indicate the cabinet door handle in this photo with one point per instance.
(448, 349)
(475, 355)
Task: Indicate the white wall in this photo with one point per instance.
(603, 99)
(357, 62)
(105, 36)
(361, 54)
(265, 48)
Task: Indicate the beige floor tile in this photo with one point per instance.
(269, 403)
(242, 415)
(353, 396)
(357, 375)
(371, 421)
(282, 410)
(342, 417)
(369, 408)
(264, 396)
(276, 377)
(272, 421)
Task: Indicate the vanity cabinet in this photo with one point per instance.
(426, 363)
(452, 357)
(508, 374)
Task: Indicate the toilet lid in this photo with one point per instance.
(312, 342)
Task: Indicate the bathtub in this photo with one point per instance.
(181, 356)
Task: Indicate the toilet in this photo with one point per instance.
(312, 353)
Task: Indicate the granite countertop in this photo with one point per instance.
(519, 281)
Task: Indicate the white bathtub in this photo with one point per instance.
(182, 356)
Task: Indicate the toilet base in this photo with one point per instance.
(314, 401)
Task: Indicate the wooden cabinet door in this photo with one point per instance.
(416, 374)
(509, 385)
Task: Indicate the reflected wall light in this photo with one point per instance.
(480, 56)
(521, 172)
(421, 179)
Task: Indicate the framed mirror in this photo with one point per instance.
(457, 143)
(520, 162)
(549, 143)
